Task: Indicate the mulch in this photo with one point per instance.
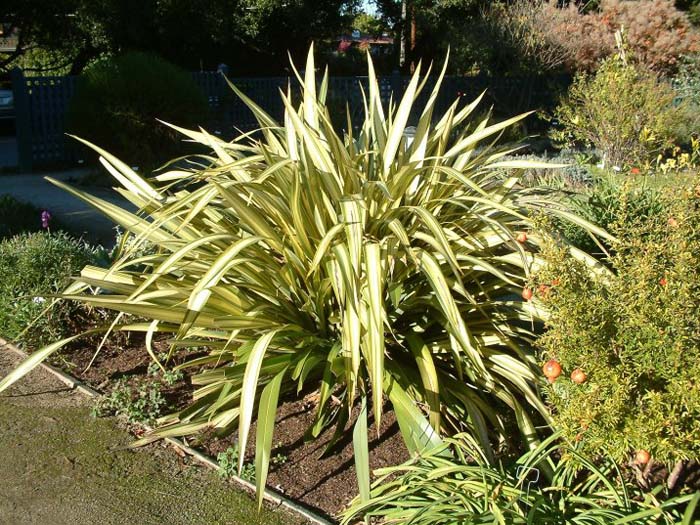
(324, 482)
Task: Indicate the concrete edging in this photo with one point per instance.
(269, 495)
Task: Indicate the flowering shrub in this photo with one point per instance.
(635, 336)
(658, 33)
(33, 267)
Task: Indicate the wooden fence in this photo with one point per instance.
(41, 104)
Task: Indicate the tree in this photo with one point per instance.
(369, 24)
(252, 36)
(438, 25)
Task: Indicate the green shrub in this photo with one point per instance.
(118, 100)
(34, 266)
(551, 485)
(635, 335)
(601, 203)
(360, 265)
(624, 111)
(687, 86)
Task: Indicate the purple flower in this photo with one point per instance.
(45, 218)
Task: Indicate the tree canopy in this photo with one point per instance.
(251, 36)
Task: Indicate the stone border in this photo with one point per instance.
(269, 495)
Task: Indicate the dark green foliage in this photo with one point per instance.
(252, 36)
(117, 102)
(602, 202)
(32, 267)
(636, 334)
(19, 217)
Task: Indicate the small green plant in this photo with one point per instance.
(143, 404)
(228, 465)
(635, 335)
(624, 111)
(167, 375)
(279, 459)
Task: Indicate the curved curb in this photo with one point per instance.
(269, 495)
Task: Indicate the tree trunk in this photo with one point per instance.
(82, 59)
(402, 46)
(413, 38)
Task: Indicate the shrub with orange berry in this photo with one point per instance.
(627, 338)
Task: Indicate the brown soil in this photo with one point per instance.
(322, 482)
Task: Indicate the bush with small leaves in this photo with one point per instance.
(624, 111)
(635, 334)
(34, 267)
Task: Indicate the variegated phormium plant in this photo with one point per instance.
(364, 266)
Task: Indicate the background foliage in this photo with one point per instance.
(624, 111)
(118, 101)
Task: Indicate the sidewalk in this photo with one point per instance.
(71, 211)
(60, 466)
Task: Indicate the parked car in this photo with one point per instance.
(7, 103)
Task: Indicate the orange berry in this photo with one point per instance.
(578, 376)
(642, 457)
(552, 370)
(521, 238)
(527, 294)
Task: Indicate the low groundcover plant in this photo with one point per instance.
(364, 266)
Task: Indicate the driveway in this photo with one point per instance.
(81, 218)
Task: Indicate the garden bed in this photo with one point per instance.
(323, 483)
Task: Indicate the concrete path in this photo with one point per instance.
(60, 466)
(81, 218)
